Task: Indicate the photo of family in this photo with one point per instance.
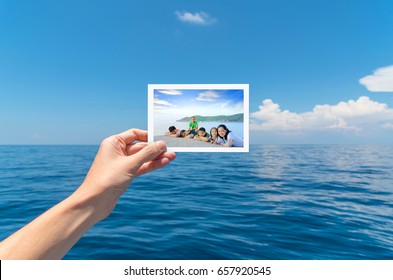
(199, 118)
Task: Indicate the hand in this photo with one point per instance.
(120, 159)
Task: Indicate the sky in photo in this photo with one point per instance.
(75, 72)
(171, 105)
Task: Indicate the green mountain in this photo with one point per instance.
(220, 118)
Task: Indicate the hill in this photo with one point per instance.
(220, 118)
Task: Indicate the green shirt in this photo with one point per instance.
(193, 125)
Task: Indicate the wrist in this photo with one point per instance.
(96, 206)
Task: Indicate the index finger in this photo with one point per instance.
(133, 134)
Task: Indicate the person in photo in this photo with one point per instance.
(172, 131)
(213, 135)
(184, 134)
(227, 138)
(202, 135)
(193, 127)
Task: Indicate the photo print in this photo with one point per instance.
(199, 117)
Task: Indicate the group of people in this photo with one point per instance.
(219, 135)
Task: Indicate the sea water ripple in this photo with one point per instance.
(275, 202)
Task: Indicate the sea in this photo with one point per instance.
(290, 202)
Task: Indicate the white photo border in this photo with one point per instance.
(246, 134)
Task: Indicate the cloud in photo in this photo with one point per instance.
(388, 126)
(208, 96)
(380, 81)
(354, 116)
(198, 18)
(162, 103)
(170, 92)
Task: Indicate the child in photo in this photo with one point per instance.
(213, 135)
(202, 135)
(184, 134)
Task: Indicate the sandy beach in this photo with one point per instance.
(184, 142)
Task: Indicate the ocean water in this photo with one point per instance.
(276, 202)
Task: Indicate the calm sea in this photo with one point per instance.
(276, 202)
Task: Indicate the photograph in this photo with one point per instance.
(199, 118)
(197, 131)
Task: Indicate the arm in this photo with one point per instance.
(174, 135)
(118, 162)
(228, 143)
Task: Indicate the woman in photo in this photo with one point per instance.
(227, 138)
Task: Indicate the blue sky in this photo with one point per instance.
(174, 104)
(77, 71)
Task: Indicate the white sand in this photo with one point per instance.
(184, 142)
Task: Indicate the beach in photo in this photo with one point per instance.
(199, 118)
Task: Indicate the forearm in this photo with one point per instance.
(118, 161)
(52, 234)
(228, 143)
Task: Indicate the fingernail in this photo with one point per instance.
(161, 145)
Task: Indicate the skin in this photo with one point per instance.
(172, 133)
(214, 135)
(222, 132)
(187, 134)
(201, 136)
(118, 162)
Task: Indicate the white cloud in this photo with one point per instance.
(170, 92)
(208, 96)
(161, 103)
(200, 18)
(380, 81)
(159, 107)
(387, 126)
(273, 118)
(354, 115)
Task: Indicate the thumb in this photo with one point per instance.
(149, 153)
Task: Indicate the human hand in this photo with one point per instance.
(120, 159)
